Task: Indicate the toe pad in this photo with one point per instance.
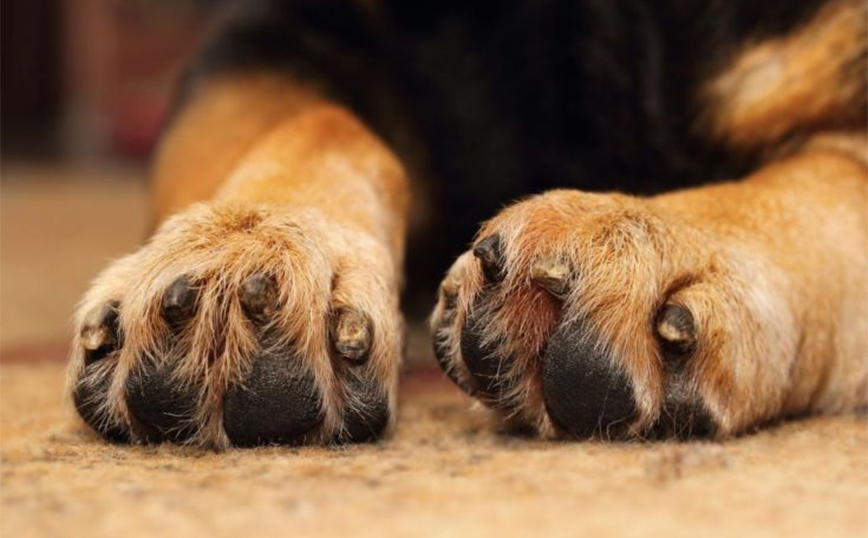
(277, 403)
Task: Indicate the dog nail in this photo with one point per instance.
(259, 297)
(551, 275)
(449, 293)
(676, 329)
(352, 335)
(99, 335)
(489, 252)
(179, 301)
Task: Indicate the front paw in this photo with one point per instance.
(602, 315)
(239, 325)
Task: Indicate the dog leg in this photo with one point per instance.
(702, 312)
(264, 309)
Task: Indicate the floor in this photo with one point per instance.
(444, 471)
(59, 226)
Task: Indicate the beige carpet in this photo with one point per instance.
(444, 471)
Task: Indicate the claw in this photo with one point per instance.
(179, 301)
(676, 329)
(552, 275)
(489, 252)
(259, 297)
(449, 293)
(352, 335)
(99, 335)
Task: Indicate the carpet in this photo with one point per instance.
(444, 471)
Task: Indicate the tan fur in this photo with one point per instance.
(812, 79)
(262, 176)
(223, 120)
(773, 268)
(325, 158)
(296, 189)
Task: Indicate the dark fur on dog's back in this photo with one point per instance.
(516, 97)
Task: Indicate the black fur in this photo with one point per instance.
(514, 97)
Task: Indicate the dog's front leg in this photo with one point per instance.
(704, 311)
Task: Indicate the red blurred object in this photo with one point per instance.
(122, 64)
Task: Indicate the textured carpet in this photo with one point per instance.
(444, 472)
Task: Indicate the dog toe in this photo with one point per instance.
(241, 327)
(161, 403)
(583, 389)
(367, 412)
(570, 315)
(278, 402)
(90, 394)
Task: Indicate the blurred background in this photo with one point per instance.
(85, 87)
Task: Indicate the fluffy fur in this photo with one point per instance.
(295, 133)
(774, 338)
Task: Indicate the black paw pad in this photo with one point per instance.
(161, 402)
(583, 389)
(278, 402)
(483, 360)
(442, 350)
(368, 410)
(91, 392)
(684, 420)
(684, 414)
(444, 359)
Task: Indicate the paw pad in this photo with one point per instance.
(277, 402)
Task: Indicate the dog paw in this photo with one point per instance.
(239, 325)
(582, 315)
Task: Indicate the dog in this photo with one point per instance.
(683, 250)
